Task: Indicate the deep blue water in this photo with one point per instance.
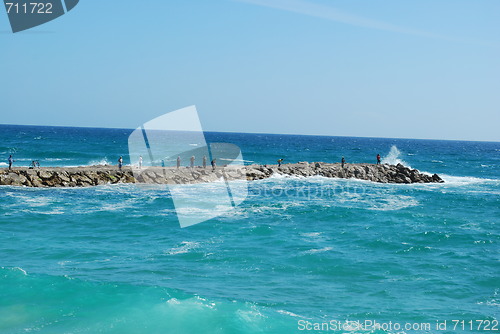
(113, 259)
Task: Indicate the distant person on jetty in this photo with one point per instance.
(279, 162)
(140, 162)
(11, 161)
(120, 162)
(213, 163)
(34, 164)
(162, 163)
(191, 162)
(178, 162)
(378, 159)
(204, 161)
(343, 162)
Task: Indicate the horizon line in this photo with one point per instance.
(262, 133)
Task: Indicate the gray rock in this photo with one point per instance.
(98, 175)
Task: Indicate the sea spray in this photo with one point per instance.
(393, 157)
(101, 162)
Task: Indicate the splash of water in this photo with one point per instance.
(102, 162)
(393, 157)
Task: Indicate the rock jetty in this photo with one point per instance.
(100, 175)
(377, 173)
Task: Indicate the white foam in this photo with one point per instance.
(173, 301)
(494, 301)
(57, 159)
(63, 263)
(56, 211)
(288, 313)
(311, 234)
(207, 213)
(249, 316)
(37, 201)
(102, 162)
(317, 250)
(3, 164)
(285, 176)
(21, 270)
(185, 247)
(236, 160)
(464, 180)
(393, 203)
(333, 192)
(381, 201)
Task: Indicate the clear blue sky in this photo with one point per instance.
(411, 69)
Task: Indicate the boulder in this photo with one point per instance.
(44, 175)
(436, 178)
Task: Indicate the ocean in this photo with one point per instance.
(298, 255)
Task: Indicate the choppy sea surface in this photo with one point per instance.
(113, 259)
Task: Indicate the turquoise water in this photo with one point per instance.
(112, 259)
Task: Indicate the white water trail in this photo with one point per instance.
(102, 162)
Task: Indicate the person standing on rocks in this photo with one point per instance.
(178, 162)
(204, 161)
(378, 159)
(140, 162)
(120, 162)
(343, 162)
(213, 164)
(279, 162)
(191, 163)
(11, 161)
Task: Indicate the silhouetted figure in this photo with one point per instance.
(213, 164)
(279, 162)
(343, 162)
(178, 162)
(191, 163)
(162, 163)
(120, 162)
(11, 161)
(378, 159)
(204, 161)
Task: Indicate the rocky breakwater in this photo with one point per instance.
(370, 172)
(100, 175)
(65, 176)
